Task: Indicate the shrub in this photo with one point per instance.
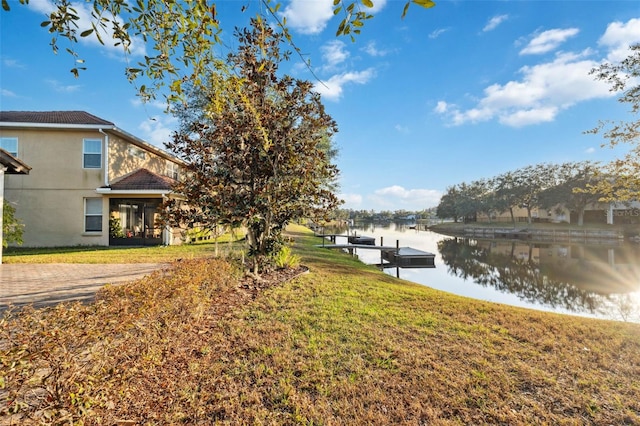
(286, 259)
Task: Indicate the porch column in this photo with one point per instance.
(610, 214)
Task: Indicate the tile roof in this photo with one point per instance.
(52, 117)
(143, 179)
(14, 165)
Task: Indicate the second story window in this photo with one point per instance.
(92, 153)
(10, 145)
(172, 170)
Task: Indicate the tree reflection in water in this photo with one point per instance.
(576, 278)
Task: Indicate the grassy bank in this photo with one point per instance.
(343, 344)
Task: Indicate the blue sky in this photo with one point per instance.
(463, 91)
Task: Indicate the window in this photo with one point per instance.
(10, 145)
(92, 153)
(172, 170)
(93, 214)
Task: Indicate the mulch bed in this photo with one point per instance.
(249, 287)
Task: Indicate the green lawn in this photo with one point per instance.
(101, 254)
(343, 344)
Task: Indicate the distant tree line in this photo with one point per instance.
(551, 187)
(383, 216)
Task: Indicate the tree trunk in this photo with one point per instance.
(252, 241)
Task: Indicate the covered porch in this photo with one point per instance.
(135, 202)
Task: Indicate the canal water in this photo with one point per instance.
(588, 278)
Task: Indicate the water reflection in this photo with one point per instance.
(571, 278)
(589, 278)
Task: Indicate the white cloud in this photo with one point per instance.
(543, 91)
(590, 150)
(12, 63)
(373, 50)
(308, 16)
(494, 22)
(158, 129)
(377, 6)
(61, 88)
(397, 197)
(618, 37)
(437, 33)
(527, 117)
(83, 10)
(156, 103)
(441, 107)
(351, 201)
(332, 89)
(548, 41)
(8, 93)
(334, 53)
(312, 16)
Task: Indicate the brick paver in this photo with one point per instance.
(48, 284)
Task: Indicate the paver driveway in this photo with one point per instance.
(48, 284)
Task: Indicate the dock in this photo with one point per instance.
(407, 257)
(521, 234)
(361, 239)
(394, 256)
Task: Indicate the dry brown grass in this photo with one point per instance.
(344, 344)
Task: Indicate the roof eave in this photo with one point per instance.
(109, 191)
(14, 165)
(57, 126)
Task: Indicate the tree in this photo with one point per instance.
(259, 158)
(447, 206)
(623, 175)
(506, 193)
(569, 191)
(12, 228)
(181, 34)
(531, 181)
(485, 196)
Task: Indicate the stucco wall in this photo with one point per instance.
(50, 199)
(125, 158)
(55, 158)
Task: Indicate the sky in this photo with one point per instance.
(463, 91)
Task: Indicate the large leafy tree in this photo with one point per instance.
(622, 182)
(447, 207)
(507, 193)
(569, 189)
(530, 181)
(181, 36)
(256, 148)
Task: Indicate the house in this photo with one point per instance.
(612, 213)
(91, 183)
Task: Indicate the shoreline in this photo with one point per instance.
(538, 232)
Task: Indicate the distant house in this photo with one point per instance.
(90, 183)
(595, 213)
